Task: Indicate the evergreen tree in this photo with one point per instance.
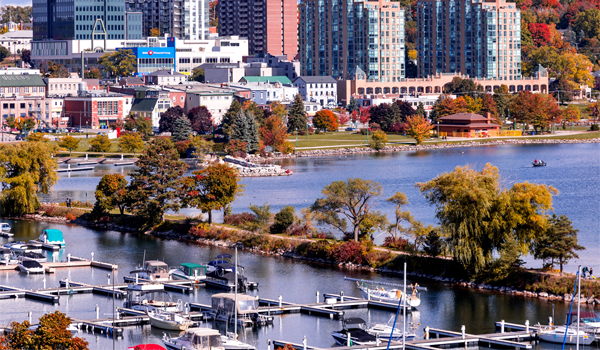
(245, 129)
(393, 116)
(559, 243)
(181, 130)
(353, 106)
(229, 117)
(421, 109)
(296, 116)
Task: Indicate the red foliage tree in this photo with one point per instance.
(365, 115)
(540, 33)
(201, 119)
(343, 116)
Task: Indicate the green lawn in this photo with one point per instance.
(336, 139)
(84, 146)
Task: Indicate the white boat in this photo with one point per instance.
(31, 266)
(7, 257)
(16, 246)
(590, 322)
(32, 256)
(230, 342)
(355, 329)
(146, 297)
(372, 290)
(53, 237)
(153, 270)
(189, 272)
(384, 330)
(247, 309)
(195, 339)
(557, 335)
(4, 227)
(168, 320)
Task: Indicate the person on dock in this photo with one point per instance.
(584, 271)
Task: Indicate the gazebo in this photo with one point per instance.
(468, 125)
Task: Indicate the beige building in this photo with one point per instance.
(62, 87)
(46, 111)
(22, 85)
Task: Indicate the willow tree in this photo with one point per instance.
(25, 169)
(479, 216)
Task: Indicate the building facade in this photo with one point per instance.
(17, 40)
(46, 111)
(271, 26)
(97, 109)
(481, 39)
(22, 85)
(339, 38)
(322, 90)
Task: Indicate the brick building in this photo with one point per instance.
(97, 109)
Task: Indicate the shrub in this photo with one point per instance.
(58, 211)
(319, 250)
(241, 219)
(350, 251)
(234, 146)
(363, 131)
(374, 126)
(594, 127)
(283, 219)
(182, 147)
(219, 147)
(297, 230)
(398, 127)
(317, 131)
(395, 243)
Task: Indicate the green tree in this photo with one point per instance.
(182, 129)
(344, 201)
(4, 53)
(502, 97)
(130, 142)
(434, 244)
(110, 193)
(461, 86)
(197, 75)
(378, 140)
(283, 220)
(418, 128)
(421, 109)
(296, 115)
(245, 129)
(401, 216)
(559, 242)
(26, 56)
(479, 216)
(27, 124)
(262, 214)
(120, 63)
(588, 23)
(100, 143)
(229, 117)
(213, 188)
(201, 146)
(69, 142)
(51, 333)
(353, 105)
(156, 183)
(25, 169)
(16, 14)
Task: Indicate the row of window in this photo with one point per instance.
(108, 107)
(25, 89)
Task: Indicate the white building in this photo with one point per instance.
(322, 90)
(265, 92)
(18, 71)
(17, 40)
(165, 77)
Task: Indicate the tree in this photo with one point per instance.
(594, 109)
(262, 214)
(444, 106)
(201, 120)
(559, 242)
(52, 69)
(157, 181)
(168, 118)
(253, 108)
(364, 115)
(378, 140)
(130, 142)
(353, 105)
(343, 116)
(343, 201)
(69, 142)
(100, 143)
(25, 169)
(480, 216)
(535, 109)
(25, 124)
(488, 105)
(421, 109)
(16, 14)
(462, 87)
(51, 333)
(283, 220)
(296, 115)
(110, 193)
(37, 137)
(11, 122)
(245, 129)
(120, 63)
(212, 188)
(26, 56)
(200, 145)
(154, 32)
(565, 65)
(326, 120)
(274, 133)
(396, 229)
(418, 128)
(197, 75)
(570, 114)
(502, 97)
(588, 23)
(540, 34)
(229, 117)
(433, 244)
(278, 110)
(4, 53)
(93, 73)
(182, 130)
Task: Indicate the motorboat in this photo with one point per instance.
(153, 270)
(146, 297)
(189, 272)
(195, 338)
(230, 342)
(171, 321)
(372, 290)
(384, 330)
(16, 246)
(557, 335)
(32, 256)
(590, 322)
(31, 266)
(223, 276)
(4, 227)
(6, 234)
(52, 237)
(7, 257)
(354, 333)
(538, 163)
(224, 306)
(146, 347)
(221, 259)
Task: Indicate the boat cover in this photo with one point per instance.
(31, 263)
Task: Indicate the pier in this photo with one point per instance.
(72, 262)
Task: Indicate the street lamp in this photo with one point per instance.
(87, 132)
(438, 126)
(306, 131)
(553, 126)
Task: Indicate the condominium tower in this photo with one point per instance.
(479, 38)
(346, 39)
(271, 26)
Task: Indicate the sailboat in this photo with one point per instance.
(372, 290)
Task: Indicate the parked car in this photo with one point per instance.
(19, 137)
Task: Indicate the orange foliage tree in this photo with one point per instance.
(326, 119)
(274, 133)
(535, 109)
(418, 128)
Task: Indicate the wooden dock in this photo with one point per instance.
(180, 286)
(75, 262)
(7, 292)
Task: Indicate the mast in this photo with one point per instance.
(578, 303)
(236, 288)
(404, 311)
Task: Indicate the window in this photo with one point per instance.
(182, 98)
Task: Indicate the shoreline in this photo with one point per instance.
(291, 253)
(423, 147)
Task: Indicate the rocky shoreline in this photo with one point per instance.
(424, 147)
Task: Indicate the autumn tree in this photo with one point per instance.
(296, 115)
(93, 73)
(100, 143)
(168, 118)
(326, 120)
(156, 183)
(378, 140)
(51, 333)
(26, 56)
(52, 69)
(480, 216)
(444, 106)
(588, 23)
(120, 63)
(346, 202)
(278, 110)
(343, 116)
(540, 33)
(534, 109)
(594, 109)
(25, 170)
(364, 115)
(154, 32)
(559, 242)
(130, 142)
(213, 188)
(37, 137)
(565, 65)
(139, 124)
(418, 128)
(111, 192)
(201, 120)
(569, 114)
(69, 142)
(274, 133)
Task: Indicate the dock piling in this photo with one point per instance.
(97, 312)
(348, 341)
(342, 296)
(268, 344)
(427, 332)
(69, 257)
(29, 314)
(108, 276)
(44, 280)
(93, 260)
(502, 326)
(317, 296)
(527, 326)
(462, 330)
(280, 299)
(304, 341)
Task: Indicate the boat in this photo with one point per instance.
(356, 328)
(195, 338)
(189, 272)
(31, 266)
(223, 304)
(4, 227)
(32, 256)
(171, 321)
(17, 245)
(221, 259)
(6, 234)
(146, 347)
(153, 270)
(146, 297)
(538, 163)
(384, 330)
(590, 322)
(372, 290)
(52, 237)
(557, 335)
(230, 342)
(7, 257)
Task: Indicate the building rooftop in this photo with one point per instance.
(17, 34)
(132, 80)
(273, 79)
(312, 79)
(464, 116)
(21, 80)
(144, 104)
(164, 73)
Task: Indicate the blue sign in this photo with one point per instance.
(171, 42)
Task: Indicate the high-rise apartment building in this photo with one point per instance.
(77, 19)
(271, 26)
(182, 19)
(479, 38)
(346, 38)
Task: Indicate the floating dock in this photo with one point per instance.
(74, 262)
(69, 169)
(124, 163)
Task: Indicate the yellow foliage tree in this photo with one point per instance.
(155, 32)
(418, 128)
